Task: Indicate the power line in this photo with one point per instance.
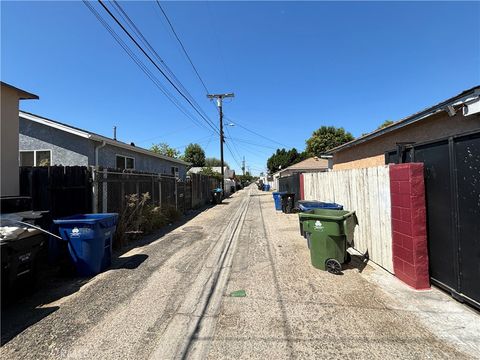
(142, 66)
(255, 133)
(139, 33)
(254, 144)
(183, 47)
(208, 121)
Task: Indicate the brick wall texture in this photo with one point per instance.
(409, 228)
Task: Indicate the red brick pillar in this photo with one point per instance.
(302, 188)
(409, 225)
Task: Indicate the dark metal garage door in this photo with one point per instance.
(452, 188)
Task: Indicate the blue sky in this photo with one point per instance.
(293, 66)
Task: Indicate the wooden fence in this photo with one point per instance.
(367, 191)
(63, 190)
(69, 190)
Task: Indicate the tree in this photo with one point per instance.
(385, 124)
(283, 159)
(326, 138)
(208, 171)
(165, 150)
(194, 154)
(212, 162)
(244, 179)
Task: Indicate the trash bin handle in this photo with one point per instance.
(329, 217)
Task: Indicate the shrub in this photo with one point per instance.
(138, 218)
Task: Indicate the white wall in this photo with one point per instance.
(367, 191)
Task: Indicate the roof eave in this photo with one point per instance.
(116, 143)
(22, 94)
(462, 97)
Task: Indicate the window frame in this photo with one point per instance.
(125, 157)
(34, 156)
(174, 171)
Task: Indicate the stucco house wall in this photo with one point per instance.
(108, 155)
(69, 149)
(9, 142)
(436, 126)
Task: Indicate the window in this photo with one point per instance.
(36, 158)
(125, 162)
(175, 171)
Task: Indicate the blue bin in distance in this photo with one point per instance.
(277, 199)
(307, 205)
(266, 187)
(90, 238)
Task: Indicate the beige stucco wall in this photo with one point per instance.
(9, 142)
(372, 153)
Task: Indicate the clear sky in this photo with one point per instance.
(293, 66)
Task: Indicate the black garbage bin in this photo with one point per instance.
(19, 257)
(217, 195)
(288, 202)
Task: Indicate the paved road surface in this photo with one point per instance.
(171, 301)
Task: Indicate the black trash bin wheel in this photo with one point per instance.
(333, 266)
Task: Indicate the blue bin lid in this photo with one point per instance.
(85, 218)
(313, 204)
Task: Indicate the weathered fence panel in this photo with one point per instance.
(63, 190)
(201, 186)
(367, 191)
(290, 184)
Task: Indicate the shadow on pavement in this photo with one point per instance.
(358, 262)
(24, 305)
(130, 262)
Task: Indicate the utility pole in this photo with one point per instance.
(220, 98)
(243, 166)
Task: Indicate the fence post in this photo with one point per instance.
(105, 192)
(160, 191)
(176, 195)
(94, 191)
(153, 190)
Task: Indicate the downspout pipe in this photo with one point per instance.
(98, 147)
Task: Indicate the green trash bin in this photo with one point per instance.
(329, 233)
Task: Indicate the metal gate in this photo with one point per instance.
(452, 188)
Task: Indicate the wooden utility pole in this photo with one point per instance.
(220, 98)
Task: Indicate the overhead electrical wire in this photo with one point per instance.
(142, 66)
(208, 121)
(182, 46)
(255, 133)
(254, 144)
(139, 33)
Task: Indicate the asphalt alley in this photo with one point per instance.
(178, 300)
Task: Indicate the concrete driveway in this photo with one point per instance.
(171, 298)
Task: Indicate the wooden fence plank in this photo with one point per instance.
(367, 191)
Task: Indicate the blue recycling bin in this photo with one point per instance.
(308, 205)
(277, 199)
(90, 238)
(266, 187)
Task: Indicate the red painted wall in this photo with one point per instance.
(409, 227)
(302, 188)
